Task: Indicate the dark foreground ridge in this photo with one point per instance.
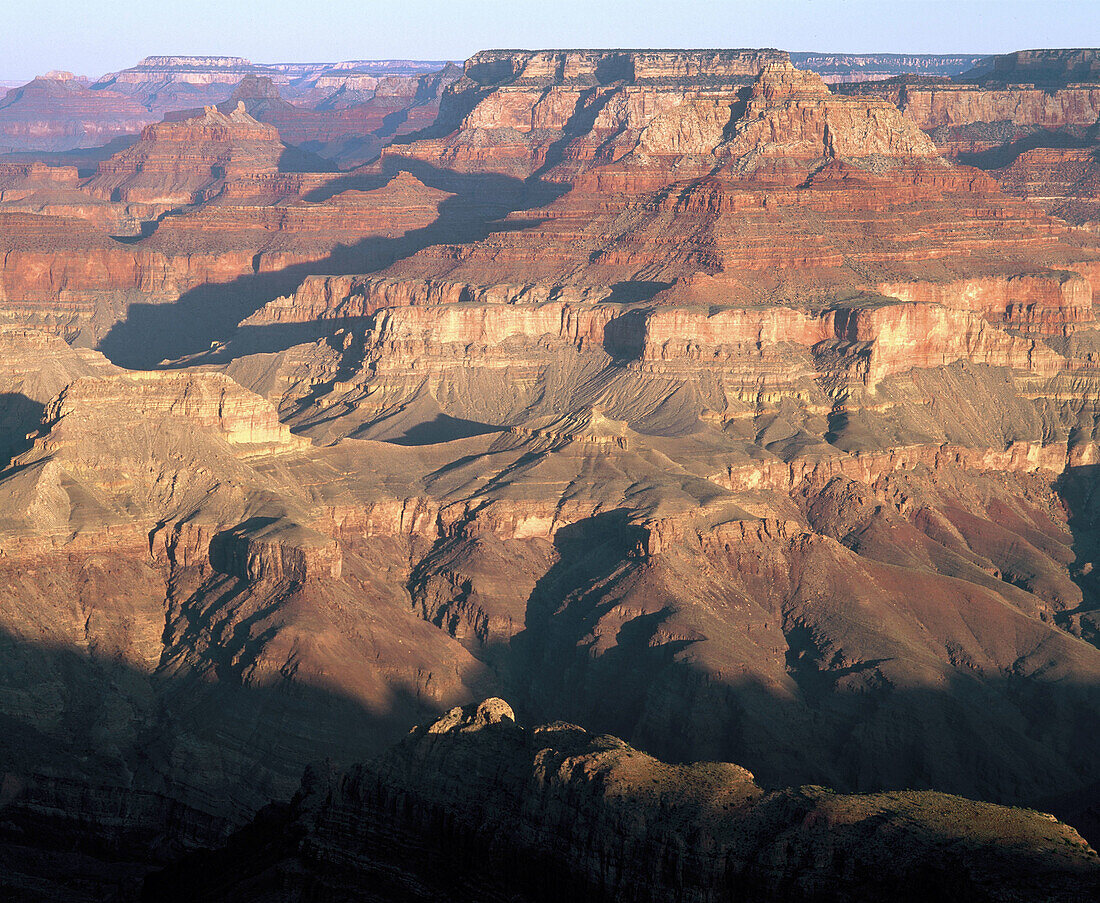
(476, 807)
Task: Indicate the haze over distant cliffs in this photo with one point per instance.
(675, 396)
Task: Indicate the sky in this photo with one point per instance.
(91, 37)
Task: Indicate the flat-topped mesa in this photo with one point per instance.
(150, 444)
(947, 109)
(275, 549)
(22, 180)
(591, 427)
(188, 70)
(187, 161)
(597, 67)
(1039, 67)
(193, 62)
(840, 68)
(209, 402)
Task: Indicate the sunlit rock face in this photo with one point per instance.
(1027, 117)
(671, 394)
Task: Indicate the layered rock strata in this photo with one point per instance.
(757, 432)
(57, 112)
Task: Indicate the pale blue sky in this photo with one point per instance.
(91, 37)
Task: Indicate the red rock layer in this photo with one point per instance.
(1063, 181)
(50, 114)
(184, 163)
(66, 273)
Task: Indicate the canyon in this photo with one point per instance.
(738, 424)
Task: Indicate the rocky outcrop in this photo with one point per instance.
(956, 106)
(245, 234)
(1043, 67)
(792, 115)
(208, 400)
(20, 180)
(517, 112)
(277, 551)
(1056, 304)
(347, 118)
(1063, 181)
(195, 70)
(496, 67)
(495, 808)
(185, 163)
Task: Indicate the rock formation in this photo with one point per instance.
(1029, 116)
(57, 113)
(177, 164)
(839, 68)
(349, 124)
(493, 809)
(345, 111)
(206, 200)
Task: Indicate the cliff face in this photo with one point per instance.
(344, 111)
(50, 114)
(346, 118)
(739, 187)
(145, 497)
(1064, 182)
(177, 164)
(1044, 67)
(497, 67)
(791, 114)
(1029, 117)
(840, 68)
(199, 202)
(518, 111)
(534, 814)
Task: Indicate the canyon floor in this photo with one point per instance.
(737, 428)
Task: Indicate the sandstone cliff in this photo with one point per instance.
(178, 164)
(49, 114)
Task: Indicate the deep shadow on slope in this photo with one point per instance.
(645, 688)
(83, 821)
(1012, 740)
(1007, 154)
(1079, 488)
(209, 314)
(85, 812)
(19, 416)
